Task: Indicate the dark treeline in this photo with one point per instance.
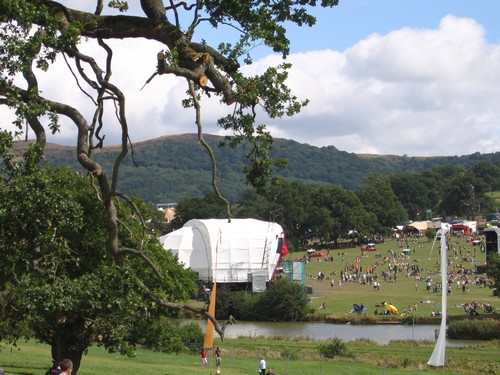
(327, 213)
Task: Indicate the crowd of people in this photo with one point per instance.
(387, 268)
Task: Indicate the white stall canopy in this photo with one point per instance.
(227, 252)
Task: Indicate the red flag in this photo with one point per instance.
(284, 249)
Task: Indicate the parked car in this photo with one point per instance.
(369, 247)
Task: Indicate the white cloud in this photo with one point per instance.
(412, 91)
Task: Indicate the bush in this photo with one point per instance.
(484, 329)
(229, 303)
(164, 336)
(430, 234)
(333, 348)
(283, 301)
(192, 337)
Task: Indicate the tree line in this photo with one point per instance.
(328, 213)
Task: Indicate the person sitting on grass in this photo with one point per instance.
(66, 367)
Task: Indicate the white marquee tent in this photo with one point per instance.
(227, 251)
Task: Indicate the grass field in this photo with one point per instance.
(241, 356)
(405, 290)
(300, 356)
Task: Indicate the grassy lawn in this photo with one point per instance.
(241, 356)
(300, 356)
(405, 291)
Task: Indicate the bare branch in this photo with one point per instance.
(215, 187)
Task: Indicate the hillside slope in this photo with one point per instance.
(171, 168)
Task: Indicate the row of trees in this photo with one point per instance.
(329, 213)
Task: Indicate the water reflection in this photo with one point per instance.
(322, 331)
(381, 333)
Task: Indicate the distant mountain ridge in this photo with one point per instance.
(171, 168)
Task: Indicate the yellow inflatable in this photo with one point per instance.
(392, 309)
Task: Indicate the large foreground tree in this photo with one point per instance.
(59, 283)
(33, 33)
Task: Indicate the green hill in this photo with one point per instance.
(171, 168)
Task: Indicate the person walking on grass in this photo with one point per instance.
(203, 358)
(262, 366)
(217, 357)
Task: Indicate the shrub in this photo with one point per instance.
(164, 336)
(229, 303)
(192, 337)
(485, 329)
(284, 301)
(333, 348)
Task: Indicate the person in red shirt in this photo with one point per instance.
(203, 357)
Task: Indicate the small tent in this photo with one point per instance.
(227, 252)
(416, 228)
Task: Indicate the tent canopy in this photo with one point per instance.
(225, 251)
(419, 226)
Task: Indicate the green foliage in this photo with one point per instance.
(272, 305)
(177, 168)
(264, 22)
(378, 198)
(477, 329)
(283, 301)
(342, 211)
(229, 303)
(192, 337)
(430, 234)
(198, 208)
(493, 271)
(413, 192)
(60, 283)
(333, 348)
(164, 336)
(465, 196)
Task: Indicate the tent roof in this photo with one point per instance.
(419, 225)
(226, 251)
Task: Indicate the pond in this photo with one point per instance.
(381, 333)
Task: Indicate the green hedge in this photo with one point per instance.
(473, 329)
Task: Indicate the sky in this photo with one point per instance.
(400, 77)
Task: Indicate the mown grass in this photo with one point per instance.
(240, 356)
(405, 291)
(300, 356)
